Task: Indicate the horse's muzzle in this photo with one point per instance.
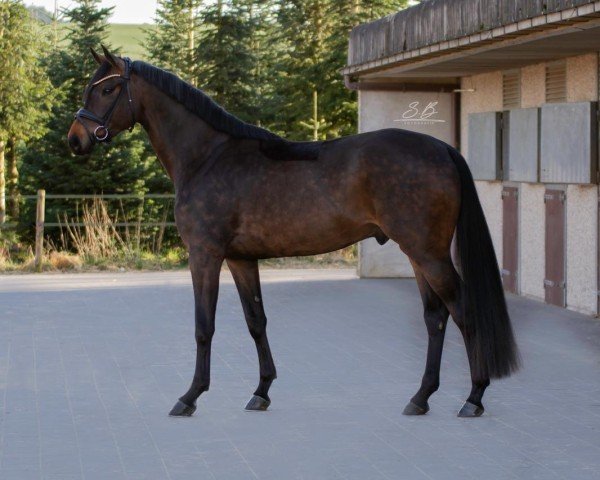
(79, 141)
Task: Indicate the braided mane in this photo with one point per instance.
(200, 104)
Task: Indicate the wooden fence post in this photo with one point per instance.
(40, 218)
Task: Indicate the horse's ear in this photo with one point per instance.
(110, 57)
(96, 56)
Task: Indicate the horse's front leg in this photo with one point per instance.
(205, 268)
(247, 280)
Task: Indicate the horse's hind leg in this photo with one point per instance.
(436, 318)
(246, 277)
(443, 278)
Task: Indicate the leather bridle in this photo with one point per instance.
(101, 132)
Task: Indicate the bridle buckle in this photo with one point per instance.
(101, 138)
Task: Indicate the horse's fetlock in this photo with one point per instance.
(432, 388)
(482, 383)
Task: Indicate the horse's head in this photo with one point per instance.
(107, 104)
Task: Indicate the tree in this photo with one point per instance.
(224, 56)
(25, 92)
(172, 44)
(123, 166)
(339, 102)
(307, 73)
(301, 72)
(118, 167)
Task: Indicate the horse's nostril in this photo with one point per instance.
(74, 143)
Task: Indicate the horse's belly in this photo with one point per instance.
(297, 241)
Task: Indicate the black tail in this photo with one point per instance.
(486, 317)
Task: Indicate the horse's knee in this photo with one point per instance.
(204, 335)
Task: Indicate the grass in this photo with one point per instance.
(91, 242)
(129, 39)
(126, 39)
(172, 259)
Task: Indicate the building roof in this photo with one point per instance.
(440, 28)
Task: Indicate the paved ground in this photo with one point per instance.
(91, 364)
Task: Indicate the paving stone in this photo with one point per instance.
(90, 365)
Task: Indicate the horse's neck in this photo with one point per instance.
(182, 141)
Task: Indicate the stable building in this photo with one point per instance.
(513, 84)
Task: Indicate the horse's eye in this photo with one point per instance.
(108, 90)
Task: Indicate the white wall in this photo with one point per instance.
(483, 93)
(532, 240)
(385, 109)
(582, 248)
(582, 200)
(490, 196)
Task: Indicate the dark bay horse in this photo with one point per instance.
(244, 193)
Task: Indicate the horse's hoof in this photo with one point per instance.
(258, 404)
(470, 410)
(182, 410)
(414, 409)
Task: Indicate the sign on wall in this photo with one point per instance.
(431, 113)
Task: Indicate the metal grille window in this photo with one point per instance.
(556, 82)
(511, 89)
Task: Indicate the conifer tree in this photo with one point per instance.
(172, 43)
(301, 71)
(126, 165)
(25, 92)
(315, 37)
(118, 167)
(231, 55)
(339, 102)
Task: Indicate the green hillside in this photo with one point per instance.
(128, 39)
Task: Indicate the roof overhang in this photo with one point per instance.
(551, 36)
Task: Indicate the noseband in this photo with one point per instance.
(101, 132)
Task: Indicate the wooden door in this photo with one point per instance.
(510, 239)
(554, 281)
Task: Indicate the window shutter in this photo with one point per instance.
(556, 82)
(511, 89)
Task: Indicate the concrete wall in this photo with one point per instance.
(384, 109)
(410, 111)
(532, 240)
(486, 97)
(532, 209)
(533, 86)
(582, 78)
(582, 201)
(490, 196)
(582, 247)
